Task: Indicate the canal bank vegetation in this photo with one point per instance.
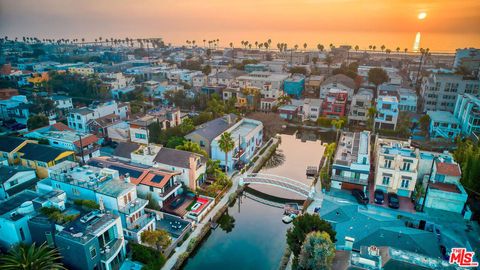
(325, 170)
(301, 244)
(265, 156)
(151, 258)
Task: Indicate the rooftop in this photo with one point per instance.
(12, 203)
(8, 171)
(8, 144)
(40, 152)
(340, 78)
(177, 158)
(443, 116)
(211, 129)
(451, 169)
(447, 187)
(350, 146)
(396, 147)
(87, 227)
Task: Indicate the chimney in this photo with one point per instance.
(349, 242)
(126, 178)
(192, 166)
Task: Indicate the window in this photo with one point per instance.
(80, 126)
(22, 234)
(202, 144)
(140, 136)
(406, 166)
(405, 183)
(13, 183)
(93, 252)
(42, 164)
(388, 164)
(385, 180)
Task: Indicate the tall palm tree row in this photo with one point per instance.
(226, 144)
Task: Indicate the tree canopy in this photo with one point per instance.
(318, 252)
(31, 257)
(158, 238)
(377, 76)
(192, 147)
(302, 226)
(37, 121)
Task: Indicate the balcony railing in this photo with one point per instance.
(133, 206)
(111, 249)
(349, 180)
(140, 223)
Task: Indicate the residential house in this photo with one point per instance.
(92, 241)
(351, 163)
(311, 108)
(14, 179)
(443, 125)
(439, 91)
(312, 86)
(288, 111)
(468, 58)
(109, 187)
(226, 78)
(124, 150)
(407, 100)
(467, 111)
(14, 215)
(192, 167)
(62, 103)
(361, 103)
(119, 93)
(42, 157)
(335, 103)
(166, 117)
(248, 137)
(245, 98)
(9, 147)
(115, 80)
(294, 85)
(271, 86)
(204, 134)
(84, 71)
(396, 166)
(444, 190)
(79, 119)
(339, 81)
(7, 93)
(160, 185)
(199, 80)
(387, 112)
(59, 135)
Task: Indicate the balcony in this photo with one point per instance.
(168, 190)
(111, 250)
(140, 223)
(133, 206)
(238, 154)
(349, 180)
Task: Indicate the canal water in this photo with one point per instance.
(251, 234)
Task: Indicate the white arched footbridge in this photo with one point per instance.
(278, 181)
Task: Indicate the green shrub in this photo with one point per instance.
(151, 258)
(87, 204)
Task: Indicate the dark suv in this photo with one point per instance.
(393, 201)
(379, 197)
(360, 196)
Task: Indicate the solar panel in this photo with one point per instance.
(123, 171)
(157, 178)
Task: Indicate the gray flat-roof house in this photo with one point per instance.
(207, 132)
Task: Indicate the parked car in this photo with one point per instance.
(360, 196)
(393, 201)
(379, 197)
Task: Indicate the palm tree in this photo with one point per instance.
(305, 46)
(338, 124)
(398, 49)
(372, 111)
(320, 47)
(31, 257)
(226, 144)
(382, 48)
(356, 48)
(285, 99)
(256, 44)
(374, 47)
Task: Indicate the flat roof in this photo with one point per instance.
(442, 116)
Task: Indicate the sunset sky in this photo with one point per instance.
(452, 23)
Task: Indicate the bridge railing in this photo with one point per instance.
(279, 181)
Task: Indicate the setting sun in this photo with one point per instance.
(422, 15)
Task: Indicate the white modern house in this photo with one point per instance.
(351, 163)
(467, 111)
(78, 119)
(396, 166)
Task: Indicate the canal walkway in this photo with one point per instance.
(170, 263)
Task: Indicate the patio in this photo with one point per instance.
(174, 225)
(178, 205)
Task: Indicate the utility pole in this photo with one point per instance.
(81, 148)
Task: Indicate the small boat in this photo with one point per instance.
(288, 218)
(291, 208)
